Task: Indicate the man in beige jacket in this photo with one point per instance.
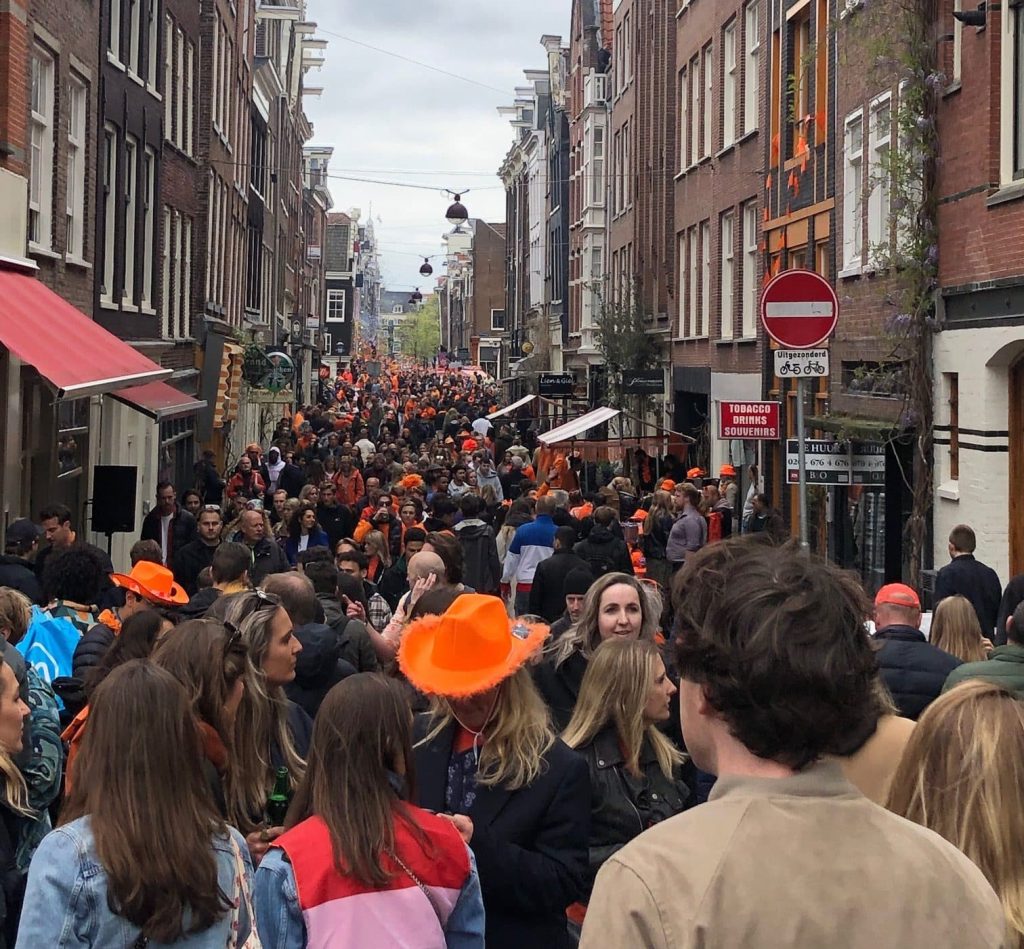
(778, 675)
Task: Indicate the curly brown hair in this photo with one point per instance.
(777, 639)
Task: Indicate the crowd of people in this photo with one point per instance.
(402, 677)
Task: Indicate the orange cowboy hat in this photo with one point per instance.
(153, 582)
(696, 473)
(727, 471)
(470, 649)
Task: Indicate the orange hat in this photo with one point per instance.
(668, 485)
(469, 444)
(252, 446)
(469, 649)
(696, 473)
(153, 582)
(727, 471)
(898, 594)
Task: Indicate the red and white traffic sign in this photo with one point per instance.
(749, 420)
(799, 309)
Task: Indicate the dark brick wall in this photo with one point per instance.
(488, 278)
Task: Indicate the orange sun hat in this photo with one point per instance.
(153, 582)
(468, 650)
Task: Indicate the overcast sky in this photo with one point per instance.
(393, 120)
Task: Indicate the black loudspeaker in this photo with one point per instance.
(113, 498)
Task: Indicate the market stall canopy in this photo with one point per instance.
(525, 400)
(577, 427)
(76, 355)
(159, 400)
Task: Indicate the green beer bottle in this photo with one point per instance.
(280, 798)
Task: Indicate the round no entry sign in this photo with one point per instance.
(799, 309)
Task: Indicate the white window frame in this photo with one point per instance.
(696, 89)
(131, 197)
(727, 272)
(77, 110)
(1011, 104)
(179, 90)
(627, 157)
(693, 259)
(853, 192)
(684, 275)
(705, 278)
(186, 279)
(494, 328)
(114, 35)
(153, 42)
(165, 284)
(684, 119)
(335, 296)
(41, 119)
(189, 94)
(176, 267)
(879, 143)
(168, 78)
(148, 224)
(751, 65)
(748, 282)
(597, 164)
(730, 81)
(708, 105)
(134, 38)
(958, 41)
(111, 161)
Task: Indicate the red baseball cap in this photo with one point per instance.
(898, 594)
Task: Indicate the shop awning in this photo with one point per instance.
(159, 401)
(76, 355)
(525, 400)
(578, 427)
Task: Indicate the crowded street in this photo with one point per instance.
(545, 478)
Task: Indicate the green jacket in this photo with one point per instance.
(1004, 666)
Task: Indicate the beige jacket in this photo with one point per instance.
(805, 862)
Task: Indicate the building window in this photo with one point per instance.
(853, 183)
(76, 109)
(131, 172)
(397, 310)
(109, 209)
(800, 83)
(705, 277)
(953, 401)
(176, 267)
(40, 192)
(730, 83)
(627, 169)
(708, 108)
(749, 281)
(727, 274)
(134, 37)
(693, 280)
(189, 96)
(179, 89)
(186, 280)
(879, 136)
(165, 258)
(752, 65)
(597, 168)
(695, 100)
(497, 319)
(1012, 94)
(684, 121)
(148, 222)
(168, 78)
(114, 39)
(684, 275)
(335, 306)
(152, 42)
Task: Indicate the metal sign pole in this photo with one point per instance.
(802, 460)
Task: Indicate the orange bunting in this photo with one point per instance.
(768, 183)
(764, 215)
(782, 240)
(775, 149)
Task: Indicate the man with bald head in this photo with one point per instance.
(426, 572)
(267, 557)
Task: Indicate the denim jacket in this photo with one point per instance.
(279, 915)
(66, 900)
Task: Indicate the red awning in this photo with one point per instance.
(77, 356)
(159, 400)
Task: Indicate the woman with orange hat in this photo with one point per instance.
(487, 755)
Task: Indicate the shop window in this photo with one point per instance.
(953, 403)
(72, 436)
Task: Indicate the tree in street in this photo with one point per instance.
(420, 333)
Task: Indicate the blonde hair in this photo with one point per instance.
(962, 776)
(615, 690)
(585, 636)
(15, 614)
(376, 545)
(956, 630)
(518, 734)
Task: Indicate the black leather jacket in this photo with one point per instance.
(624, 805)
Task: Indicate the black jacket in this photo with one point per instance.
(604, 552)
(530, 844)
(354, 644)
(976, 581)
(1013, 596)
(912, 669)
(190, 561)
(18, 574)
(547, 595)
(319, 667)
(655, 543)
(290, 479)
(481, 567)
(622, 805)
(182, 530)
(267, 558)
(560, 686)
(337, 521)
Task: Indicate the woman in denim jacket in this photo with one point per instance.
(358, 865)
(141, 857)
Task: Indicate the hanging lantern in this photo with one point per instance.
(426, 269)
(416, 297)
(456, 214)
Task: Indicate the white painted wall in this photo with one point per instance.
(729, 387)
(981, 496)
